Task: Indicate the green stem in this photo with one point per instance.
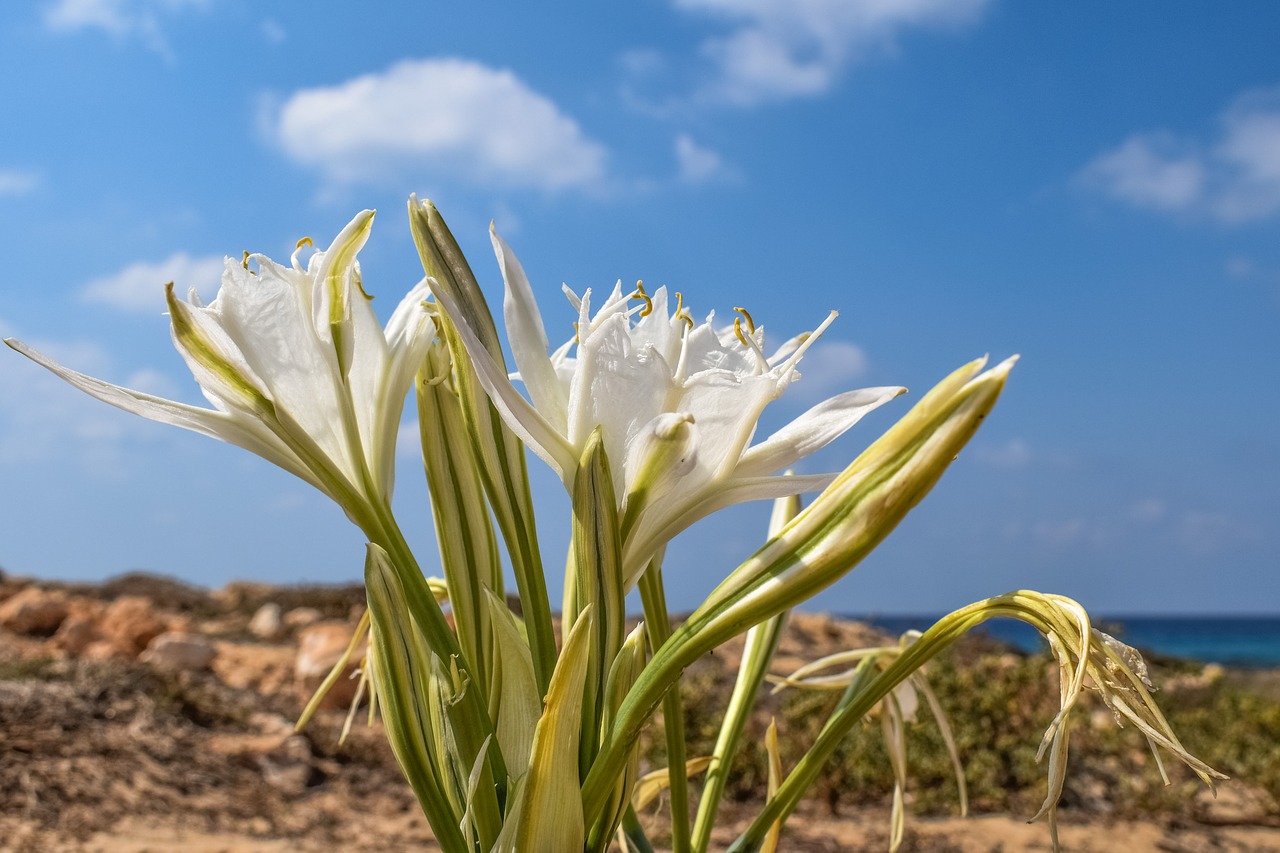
(658, 626)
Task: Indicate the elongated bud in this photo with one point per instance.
(665, 452)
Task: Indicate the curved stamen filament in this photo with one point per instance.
(640, 294)
(297, 252)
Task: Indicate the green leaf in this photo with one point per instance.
(515, 703)
(401, 678)
(550, 816)
(503, 468)
(464, 532)
(596, 583)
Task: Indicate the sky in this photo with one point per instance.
(1094, 186)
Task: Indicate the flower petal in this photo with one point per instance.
(231, 427)
(528, 338)
(525, 421)
(813, 430)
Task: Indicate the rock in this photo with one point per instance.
(301, 617)
(130, 623)
(268, 622)
(288, 767)
(34, 612)
(80, 628)
(1236, 804)
(320, 646)
(179, 651)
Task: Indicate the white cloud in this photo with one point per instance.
(140, 286)
(273, 31)
(830, 367)
(1233, 177)
(1014, 453)
(774, 51)
(698, 165)
(15, 182)
(121, 19)
(451, 118)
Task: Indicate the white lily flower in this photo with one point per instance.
(297, 367)
(677, 402)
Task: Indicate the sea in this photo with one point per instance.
(1250, 642)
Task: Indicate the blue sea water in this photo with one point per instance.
(1239, 641)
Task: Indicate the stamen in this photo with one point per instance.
(640, 294)
(749, 341)
(245, 261)
(297, 252)
(576, 332)
(751, 324)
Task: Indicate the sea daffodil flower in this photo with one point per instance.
(297, 366)
(677, 403)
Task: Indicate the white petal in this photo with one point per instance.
(520, 415)
(528, 338)
(409, 333)
(813, 430)
(661, 524)
(267, 316)
(234, 428)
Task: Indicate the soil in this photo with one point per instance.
(101, 751)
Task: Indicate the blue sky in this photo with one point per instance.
(1093, 186)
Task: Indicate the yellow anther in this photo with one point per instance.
(737, 330)
(679, 302)
(640, 294)
(305, 241)
(640, 287)
(751, 324)
(576, 332)
(245, 262)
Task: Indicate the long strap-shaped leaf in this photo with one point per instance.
(549, 816)
(468, 549)
(402, 667)
(504, 471)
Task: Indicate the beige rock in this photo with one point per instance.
(320, 646)
(130, 623)
(179, 651)
(268, 622)
(81, 627)
(301, 617)
(34, 611)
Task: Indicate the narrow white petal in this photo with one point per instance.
(409, 333)
(813, 430)
(528, 338)
(523, 419)
(662, 523)
(234, 427)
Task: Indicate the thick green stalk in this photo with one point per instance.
(658, 624)
(757, 653)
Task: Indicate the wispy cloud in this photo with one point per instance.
(455, 118)
(830, 367)
(140, 286)
(698, 165)
(15, 182)
(1232, 177)
(771, 51)
(141, 20)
